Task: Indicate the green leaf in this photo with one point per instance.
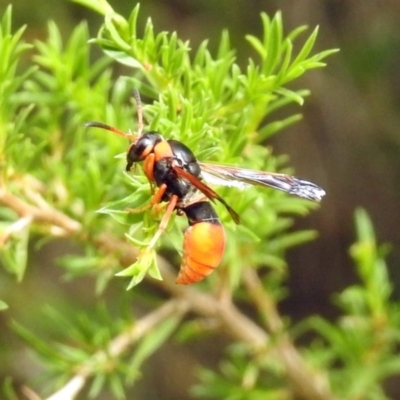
(274, 127)
(307, 47)
(3, 305)
(115, 33)
(273, 42)
(137, 271)
(258, 45)
(99, 6)
(14, 253)
(293, 96)
(8, 389)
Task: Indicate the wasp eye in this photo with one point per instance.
(140, 149)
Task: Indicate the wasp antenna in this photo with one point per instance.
(117, 131)
(139, 107)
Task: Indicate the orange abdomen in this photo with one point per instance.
(203, 249)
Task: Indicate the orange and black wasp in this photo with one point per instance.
(173, 168)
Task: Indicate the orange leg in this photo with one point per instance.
(148, 167)
(164, 221)
(158, 195)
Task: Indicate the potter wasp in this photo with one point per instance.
(179, 177)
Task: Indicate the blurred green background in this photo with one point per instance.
(348, 141)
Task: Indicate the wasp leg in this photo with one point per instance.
(164, 221)
(148, 167)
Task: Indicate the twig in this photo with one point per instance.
(29, 393)
(15, 227)
(119, 344)
(46, 214)
(233, 320)
(307, 383)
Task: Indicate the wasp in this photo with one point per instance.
(173, 169)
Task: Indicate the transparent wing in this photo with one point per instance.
(241, 177)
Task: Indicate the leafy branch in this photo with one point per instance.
(58, 180)
(198, 94)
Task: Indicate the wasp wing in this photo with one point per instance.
(211, 194)
(239, 177)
